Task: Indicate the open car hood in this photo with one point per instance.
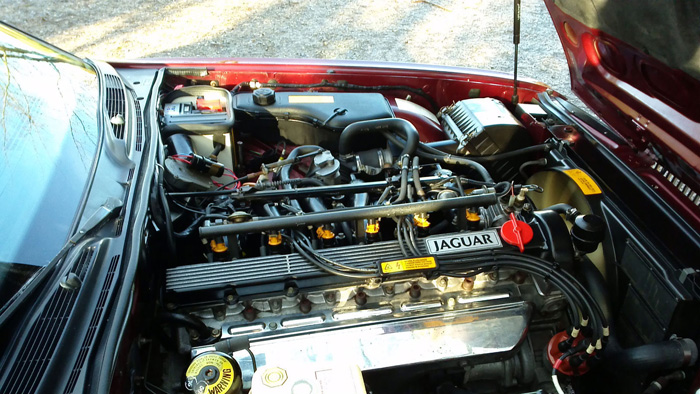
(637, 65)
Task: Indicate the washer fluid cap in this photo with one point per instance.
(516, 232)
(263, 96)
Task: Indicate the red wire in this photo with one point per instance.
(233, 175)
(217, 184)
(181, 160)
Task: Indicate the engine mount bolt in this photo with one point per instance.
(361, 298)
(272, 326)
(215, 332)
(305, 306)
(414, 291)
(329, 297)
(468, 284)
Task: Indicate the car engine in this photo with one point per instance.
(352, 240)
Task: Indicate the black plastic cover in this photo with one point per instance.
(307, 118)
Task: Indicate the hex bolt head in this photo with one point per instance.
(275, 305)
(389, 289)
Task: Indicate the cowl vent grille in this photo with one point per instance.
(139, 125)
(115, 104)
(46, 332)
(94, 324)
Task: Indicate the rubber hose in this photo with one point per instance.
(538, 162)
(659, 356)
(404, 182)
(416, 178)
(286, 169)
(402, 127)
(513, 153)
(187, 321)
(446, 159)
(560, 208)
(660, 383)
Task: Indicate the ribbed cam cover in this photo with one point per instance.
(208, 282)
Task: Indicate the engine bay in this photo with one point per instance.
(348, 238)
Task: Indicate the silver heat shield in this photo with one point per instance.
(445, 327)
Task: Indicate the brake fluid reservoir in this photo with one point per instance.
(213, 372)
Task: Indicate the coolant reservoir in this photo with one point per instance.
(308, 379)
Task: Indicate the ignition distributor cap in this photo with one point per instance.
(213, 372)
(263, 96)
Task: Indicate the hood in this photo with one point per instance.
(637, 65)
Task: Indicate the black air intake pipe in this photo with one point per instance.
(660, 356)
(402, 127)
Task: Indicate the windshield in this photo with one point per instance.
(48, 140)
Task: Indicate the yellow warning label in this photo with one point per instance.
(213, 363)
(412, 264)
(315, 99)
(584, 181)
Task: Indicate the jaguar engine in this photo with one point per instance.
(361, 234)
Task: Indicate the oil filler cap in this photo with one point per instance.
(516, 232)
(263, 96)
(213, 372)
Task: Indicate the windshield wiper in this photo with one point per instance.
(104, 212)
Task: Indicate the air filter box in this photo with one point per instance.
(483, 126)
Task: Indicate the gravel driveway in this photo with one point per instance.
(473, 33)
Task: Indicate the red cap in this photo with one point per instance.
(516, 232)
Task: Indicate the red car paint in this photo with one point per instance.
(648, 103)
